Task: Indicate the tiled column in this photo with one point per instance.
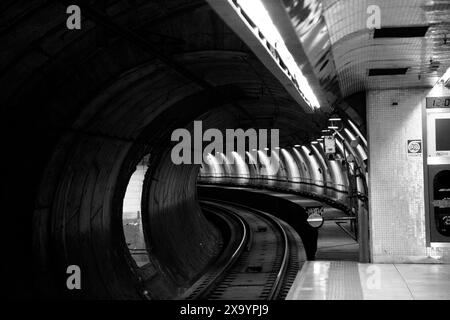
(396, 180)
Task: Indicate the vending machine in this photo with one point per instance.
(437, 170)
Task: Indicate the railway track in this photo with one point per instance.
(258, 262)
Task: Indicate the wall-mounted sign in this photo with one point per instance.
(414, 148)
(330, 145)
(438, 102)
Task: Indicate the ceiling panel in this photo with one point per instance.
(355, 50)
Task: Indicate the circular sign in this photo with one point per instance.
(414, 147)
(315, 217)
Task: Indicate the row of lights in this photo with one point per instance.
(319, 140)
(330, 129)
(314, 142)
(260, 16)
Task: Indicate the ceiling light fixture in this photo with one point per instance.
(257, 12)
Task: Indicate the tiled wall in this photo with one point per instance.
(396, 183)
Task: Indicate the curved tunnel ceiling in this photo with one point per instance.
(356, 49)
(340, 29)
(338, 51)
(120, 37)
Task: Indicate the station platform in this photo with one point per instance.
(348, 280)
(336, 242)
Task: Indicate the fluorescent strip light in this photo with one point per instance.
(335, 119)
(257, 12)
(333, 127)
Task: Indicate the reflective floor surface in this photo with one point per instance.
(347, 280)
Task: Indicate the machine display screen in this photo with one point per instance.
(442, 134)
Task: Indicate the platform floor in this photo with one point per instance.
(335, 243)
(347, 280)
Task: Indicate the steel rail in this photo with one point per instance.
(279, 280)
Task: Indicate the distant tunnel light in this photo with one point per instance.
(241, 166)
(333, 127)
(355, 128)
(259, 15)
(340, 146)
(252, 159)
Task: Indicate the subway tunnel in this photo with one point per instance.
(83, 109)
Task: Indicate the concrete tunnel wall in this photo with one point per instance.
(87, 177)
(85, 185)
(181, 241)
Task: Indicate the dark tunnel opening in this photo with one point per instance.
(85, 226)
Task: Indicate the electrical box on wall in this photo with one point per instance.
(437, 169)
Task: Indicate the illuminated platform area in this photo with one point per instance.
(345, 280)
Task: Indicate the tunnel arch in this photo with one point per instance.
(102, 130)
(91, 98)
